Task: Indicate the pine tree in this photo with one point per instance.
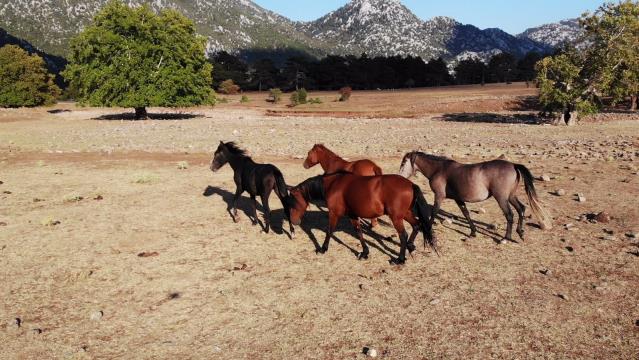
(24, 80)
(132, 57)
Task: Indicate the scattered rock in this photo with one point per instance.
(15, 323)
(97, 315)
(544, 178)
(569, 226)
(561, 296)
(545, 271)
(35, 331)
(240, 268)
(632, 234)
(50, 222)
(609, 238)
(435, 301)
(236, 132)
(481, 210)
(98, 198)
(370, 352)
(2, 223)
(603, 217)
(1, 182)
(447, 221)
(637, 322)
(570, 249)
(581, 198)
(7, 192)
(37, 200)
(146, 254)
(560, 192)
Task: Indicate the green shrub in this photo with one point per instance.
(228, 87)
(244, 99)
(315, 101)
(275, 95)
(24, 80)
(299, 97)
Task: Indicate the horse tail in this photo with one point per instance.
(280, 185)
(423, 212)
(540, 213)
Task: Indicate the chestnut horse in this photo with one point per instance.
(357, 196)
(476, 183)
(332, 163)
(254, 178)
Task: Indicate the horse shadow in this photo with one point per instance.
(460, 221)
(244, 205)
(528, 119)
(318, 220)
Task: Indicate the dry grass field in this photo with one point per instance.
(115, 240)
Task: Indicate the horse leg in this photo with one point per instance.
(332, 224)
(415, 224)
(254, 204)
(267, 211)
(464, 209)
(358, 227)
(236, 197)
(521, 212)
(508, 213)
(287, 213)
(401, 231)
(436, 207)
(373, 223)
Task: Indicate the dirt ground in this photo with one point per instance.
(115, 240)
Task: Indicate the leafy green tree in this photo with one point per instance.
(227, 67)
(562, 88)
(24, 80)
(263, 74)
(132, 57)
(613, 34)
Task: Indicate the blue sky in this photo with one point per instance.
(513, 16)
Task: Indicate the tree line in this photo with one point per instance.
(368, 73)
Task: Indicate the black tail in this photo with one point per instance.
(535, 204)
(280, 185)
(423, 212)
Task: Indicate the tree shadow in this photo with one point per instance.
(244, 205)
(526, 119)
(130, 116)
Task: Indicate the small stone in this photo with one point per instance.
(35, 331)
(560, 192)
(570, 249)
(581, 198)
(544, 178)
(609, 238)
(236, 132)
(545, 271)
(15, 323)
(435, 301)
(603, 217)
(7, 192)
(481, 210)
(98, 198)
(370, 352)
(631, 235)
(569, 226)
(2, 223)
(562, 296)
(637, 322)
(447, 221)
(97, 315)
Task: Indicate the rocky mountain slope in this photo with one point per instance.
(555, 34)
(376, 27)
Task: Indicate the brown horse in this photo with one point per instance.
(332, 163)
(356, 196)
(476, 183)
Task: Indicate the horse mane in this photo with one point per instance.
(433, 157)
(234, 149)
(312, 188)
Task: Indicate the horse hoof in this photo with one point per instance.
(473, 235)
(236, 219)
(292, 235)
(320, 251)
(411, 248)
(397, 262)
(362, 256)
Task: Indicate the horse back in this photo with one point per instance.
(364, 168)
(370, 196)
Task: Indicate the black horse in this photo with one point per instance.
(256, 179)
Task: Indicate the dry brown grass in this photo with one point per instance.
(216, 289)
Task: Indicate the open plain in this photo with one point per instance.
(115, 240)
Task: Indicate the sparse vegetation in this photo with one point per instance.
(299, 97)
(245, 99)
(145, 178)
(24, 80)
(182, 165)
(73, 198)
(315, 101)
(228, 87)
(345, 93)
(275, 95)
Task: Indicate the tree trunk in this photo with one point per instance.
(633, 102)
(140, 113)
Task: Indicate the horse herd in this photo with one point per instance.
(359, 190)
